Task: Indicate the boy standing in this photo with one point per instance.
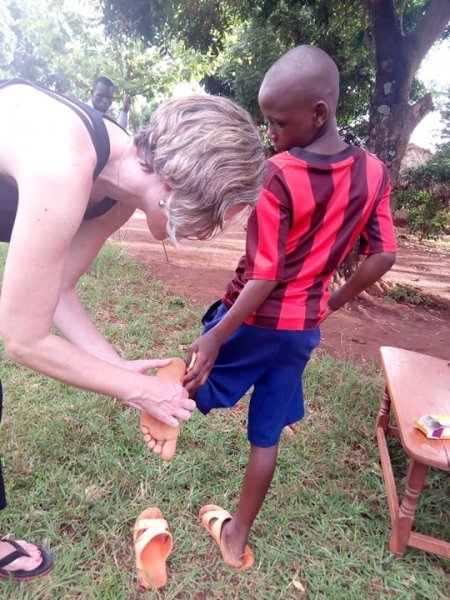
(319, 196)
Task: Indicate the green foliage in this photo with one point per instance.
(246, 37)
(444, 109)
(426, 196)
(154, 45)
(145, 19)
(201, 25)
(404, 292)
(7, 37)
(63, 45)
(247, 56)
(242, 39)
(428, 217)
(254, 44)
(435, 172)
(58, 44)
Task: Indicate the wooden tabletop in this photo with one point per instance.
(418, 384)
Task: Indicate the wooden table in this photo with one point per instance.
(416, 384)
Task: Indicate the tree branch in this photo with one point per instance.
(430, 27)
(421, 108)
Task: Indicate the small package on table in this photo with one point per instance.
(435, 427)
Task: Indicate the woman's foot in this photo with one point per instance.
(21, 560)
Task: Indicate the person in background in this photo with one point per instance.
(63, 191)
(102, 97)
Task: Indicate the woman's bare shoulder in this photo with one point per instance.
(39, 130)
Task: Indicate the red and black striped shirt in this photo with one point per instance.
(311, 212)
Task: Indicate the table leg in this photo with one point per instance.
(402, 525)
(384, 413)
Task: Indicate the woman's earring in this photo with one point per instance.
(162, 203)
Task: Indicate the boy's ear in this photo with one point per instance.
(321, 113)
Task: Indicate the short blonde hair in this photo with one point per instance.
(208, 150)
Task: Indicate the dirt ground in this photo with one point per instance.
(201, 270)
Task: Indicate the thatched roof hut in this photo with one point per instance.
(415, 156)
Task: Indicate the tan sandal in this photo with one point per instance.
(213, 519)
(153, 542)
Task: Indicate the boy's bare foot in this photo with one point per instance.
(215, 520)
(159, 437)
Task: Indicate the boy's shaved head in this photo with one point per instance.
(305, 72)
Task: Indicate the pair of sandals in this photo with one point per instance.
(18, 551)
(153, 542)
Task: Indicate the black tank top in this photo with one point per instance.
(93, 120)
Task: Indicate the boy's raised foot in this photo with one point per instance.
(159, 437)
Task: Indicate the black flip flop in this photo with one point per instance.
(22, 575)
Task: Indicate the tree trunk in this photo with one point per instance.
(398, 56)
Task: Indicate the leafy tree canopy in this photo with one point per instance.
(244, 38)
(444, 108)
(64, 46)
(201, 24)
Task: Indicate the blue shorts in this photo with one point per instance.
(273, 362)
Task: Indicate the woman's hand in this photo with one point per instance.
(166, 401)
(206, 348)
(144, 365)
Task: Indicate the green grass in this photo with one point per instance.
(410, 294)
(78, 475)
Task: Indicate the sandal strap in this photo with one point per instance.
(19, 552)
(158, 524)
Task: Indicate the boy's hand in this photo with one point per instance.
(206, 348)
(369, 271)
(143, 366)
(126, 103)
(327, 313)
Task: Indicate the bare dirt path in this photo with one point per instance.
(201, 270)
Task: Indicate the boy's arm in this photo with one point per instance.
(373, 267)
(378, 242)
(207, 346)
(122, 119)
